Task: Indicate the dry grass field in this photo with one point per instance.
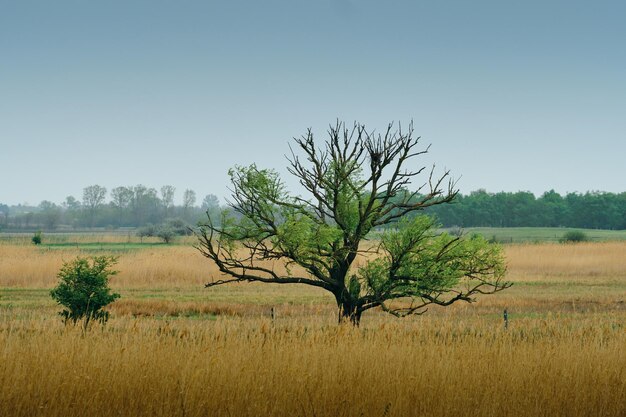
(173, 348)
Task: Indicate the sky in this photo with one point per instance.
(512, 95)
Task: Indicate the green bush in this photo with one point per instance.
(84, 289)
(166, 234)
(37, 238)
(574, 236)
(165, 231)
(147, 231)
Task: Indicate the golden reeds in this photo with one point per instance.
(174, 348)
(176, 266)
(252, 367)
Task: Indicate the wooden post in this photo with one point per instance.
(506, 319)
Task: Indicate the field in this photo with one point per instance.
(173, 348)
(541, 234)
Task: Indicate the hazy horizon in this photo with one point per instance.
(226, 199)
(513, 97)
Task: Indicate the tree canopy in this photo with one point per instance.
(355, 183)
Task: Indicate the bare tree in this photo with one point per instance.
(356, 182)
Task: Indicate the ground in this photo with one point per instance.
(173, 347)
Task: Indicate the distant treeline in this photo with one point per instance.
(138, 206)
(591, 210)
(133, 206)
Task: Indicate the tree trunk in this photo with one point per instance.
(348, 309)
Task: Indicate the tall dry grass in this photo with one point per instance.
(428, 366)
(173, 348)
(163, 266)
(586, 276)
(586, 262)
(28, 266)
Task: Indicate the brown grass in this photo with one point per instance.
(253, 367)
(174, 348)
(168, 266)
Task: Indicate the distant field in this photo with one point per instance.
(92, 241)
(540, 234)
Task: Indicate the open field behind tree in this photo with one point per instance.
(174, 348)
(541, 234)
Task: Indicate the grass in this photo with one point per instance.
(436, 366)
(174, 348)
(541, 234)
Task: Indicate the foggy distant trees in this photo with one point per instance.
(50, 214)
(4, 215)
(121, 198)
(189, 200)
(93, 198)
(167, 197)
(137, 206)
(125, 206)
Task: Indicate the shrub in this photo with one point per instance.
(165, 231)
(574, 236)
(37, 238)
(178, 226)
(147, 231)
(83, 289)
(166, 234)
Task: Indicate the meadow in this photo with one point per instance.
(542, 234)
(174, 348)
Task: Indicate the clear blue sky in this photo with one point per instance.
(513, 95)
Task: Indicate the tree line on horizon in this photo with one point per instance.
(590, 210)
(125, 207)
(138, 206)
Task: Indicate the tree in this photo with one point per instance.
(166, 231)
(167, 197)
(210, 202)
(71, 203)
(37, 238)
(355, 183)
(4, 214)
(189, 200)
(84, 289)
(71, 208)
(574, 236)
(50, 214)
(211, 205)
(166, 234)
(145, 204)
(121, 197)
(93, 199)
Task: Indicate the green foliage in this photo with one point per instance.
(354, 286)
(148, 230)
(540, 234)
(574, 236)
(166, 234)
(37, 238)
(179, 227)
(420, 262)
(591, 210)
(166, 231)
(355, 182)
(83, 289)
